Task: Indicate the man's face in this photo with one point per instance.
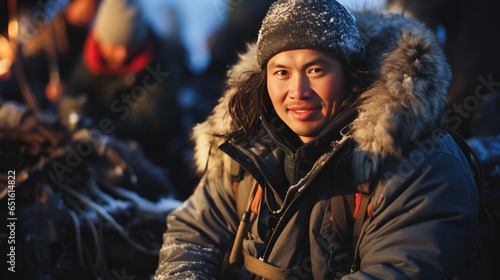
(114, 55)
(305, 87)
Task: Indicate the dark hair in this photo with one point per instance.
(249, 102)
(251, 99)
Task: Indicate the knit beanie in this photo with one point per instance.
(119, 22)
(322, 25)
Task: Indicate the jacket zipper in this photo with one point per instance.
(297, 189)
(300, 189)
(275, 139)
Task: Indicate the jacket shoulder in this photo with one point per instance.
(434, 166)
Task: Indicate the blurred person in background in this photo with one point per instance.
(126, 83)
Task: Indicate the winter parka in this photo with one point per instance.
(423, 208)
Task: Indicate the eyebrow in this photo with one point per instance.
(276, 65)
(317, 60)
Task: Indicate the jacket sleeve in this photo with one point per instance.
(422, 221)
(198, 233)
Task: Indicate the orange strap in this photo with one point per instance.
(359, 199)
(256, 200)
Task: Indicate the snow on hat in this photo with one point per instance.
(119, 22)
(323, 25)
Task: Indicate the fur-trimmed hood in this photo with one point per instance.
(405, 101)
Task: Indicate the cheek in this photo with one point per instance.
(333, 92)
(276, 94)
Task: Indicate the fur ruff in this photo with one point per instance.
(405, 102)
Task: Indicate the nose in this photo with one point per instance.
(300, 87)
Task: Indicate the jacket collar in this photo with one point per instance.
(289, 142)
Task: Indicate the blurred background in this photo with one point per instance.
(98, 97)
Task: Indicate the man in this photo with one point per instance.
(127, 80)
(335, 174)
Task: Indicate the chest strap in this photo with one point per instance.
(343, 223)
(366, 191)
(266, 270)
(243, 227)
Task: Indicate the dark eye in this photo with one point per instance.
(281, 73)
(316, 70)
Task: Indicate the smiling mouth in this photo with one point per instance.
(303, 114)
(303, 109)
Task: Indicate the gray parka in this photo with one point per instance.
(424, 208)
